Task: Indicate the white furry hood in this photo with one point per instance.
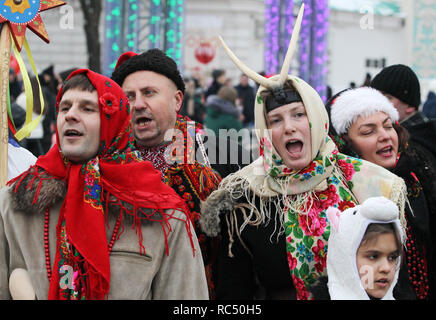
(359, 102)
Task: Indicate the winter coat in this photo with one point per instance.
(221, 114)
(155, 275)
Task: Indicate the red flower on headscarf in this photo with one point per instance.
(264, 142)
(309, 169)
(109, 103)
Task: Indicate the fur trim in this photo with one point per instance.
(218, 201)
(363, 102)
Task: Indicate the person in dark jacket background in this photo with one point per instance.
(193, 101)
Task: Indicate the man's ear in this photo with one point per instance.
(178, 96)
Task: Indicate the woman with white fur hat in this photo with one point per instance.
(365, 124)
(272, 213)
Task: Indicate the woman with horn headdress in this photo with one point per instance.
(272, 213)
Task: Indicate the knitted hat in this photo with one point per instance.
(228, 93)
(152, 60)
(364, 102)
(401, 82)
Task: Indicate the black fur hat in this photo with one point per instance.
(152, 60)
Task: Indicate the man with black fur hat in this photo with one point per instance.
(155, 89)
(401, 86)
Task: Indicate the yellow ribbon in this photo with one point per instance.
(30, 123)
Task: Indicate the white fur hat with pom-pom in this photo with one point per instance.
(364, 102)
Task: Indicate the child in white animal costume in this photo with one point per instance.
(351, 239)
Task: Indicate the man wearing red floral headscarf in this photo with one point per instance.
(80, 222)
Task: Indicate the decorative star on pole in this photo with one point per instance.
(20, 14)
